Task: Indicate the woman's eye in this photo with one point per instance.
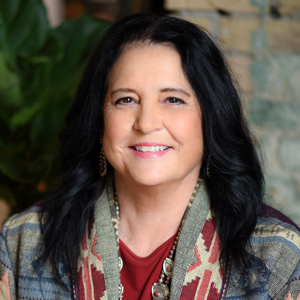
(173, 100)
(125, 100)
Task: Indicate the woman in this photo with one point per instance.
(176, 210)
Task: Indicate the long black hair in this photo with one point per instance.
(235, 184)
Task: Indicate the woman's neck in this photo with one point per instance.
(151, 215)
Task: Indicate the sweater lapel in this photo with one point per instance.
(197, 273)
(98, 273)
(106, 245)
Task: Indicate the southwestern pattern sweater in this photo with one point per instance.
(274, 265)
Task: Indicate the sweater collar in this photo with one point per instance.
(105, 224)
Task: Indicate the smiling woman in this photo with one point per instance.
(175, 210)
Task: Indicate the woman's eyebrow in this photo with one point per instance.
(175, 90)
(124, 90)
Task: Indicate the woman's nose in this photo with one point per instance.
(148, 118)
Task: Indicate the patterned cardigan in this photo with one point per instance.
(273, 267)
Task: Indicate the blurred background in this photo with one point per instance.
(45, 44)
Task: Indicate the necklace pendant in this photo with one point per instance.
(168, 266)
(120, 263)
(159, 291)
(121, 290)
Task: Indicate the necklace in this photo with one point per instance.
(160, 289)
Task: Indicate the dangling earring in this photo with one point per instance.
(207, 166)
(102, 160)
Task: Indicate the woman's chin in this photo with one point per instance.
(147, 178)
(150, 181)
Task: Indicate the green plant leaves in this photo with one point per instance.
(10, 88)
(40, 68)
(9, 10)
(24, 115)
(25, 27)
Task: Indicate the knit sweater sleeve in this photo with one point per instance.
(273, 269)
(282, 239)
(22, 274)
(279, 248)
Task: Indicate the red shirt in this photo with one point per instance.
(139, 273)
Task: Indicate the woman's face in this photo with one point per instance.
(152, 118)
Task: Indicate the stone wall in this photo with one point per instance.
(262, 41)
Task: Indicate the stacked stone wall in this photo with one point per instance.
(261, 39)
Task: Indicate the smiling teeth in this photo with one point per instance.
(151, 148)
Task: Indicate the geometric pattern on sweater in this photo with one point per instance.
(274, 265)
(204, 278)
(20, 256)
(275, 250)
(90, 262)
(90, 273)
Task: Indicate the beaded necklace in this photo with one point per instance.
(160, 289)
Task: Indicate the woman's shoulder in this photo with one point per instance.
(21, 253)
(19, 233)
(28, 220)
(275, 244)
(269, 214)
(273, 269)
(276, 241)
(273, 226)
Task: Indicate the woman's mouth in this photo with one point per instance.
(150, 148)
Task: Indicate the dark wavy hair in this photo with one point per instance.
(236, 182)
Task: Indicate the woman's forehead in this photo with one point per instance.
(151, 62)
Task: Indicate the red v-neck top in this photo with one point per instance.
(139, 273)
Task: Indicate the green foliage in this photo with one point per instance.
(40, 68)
